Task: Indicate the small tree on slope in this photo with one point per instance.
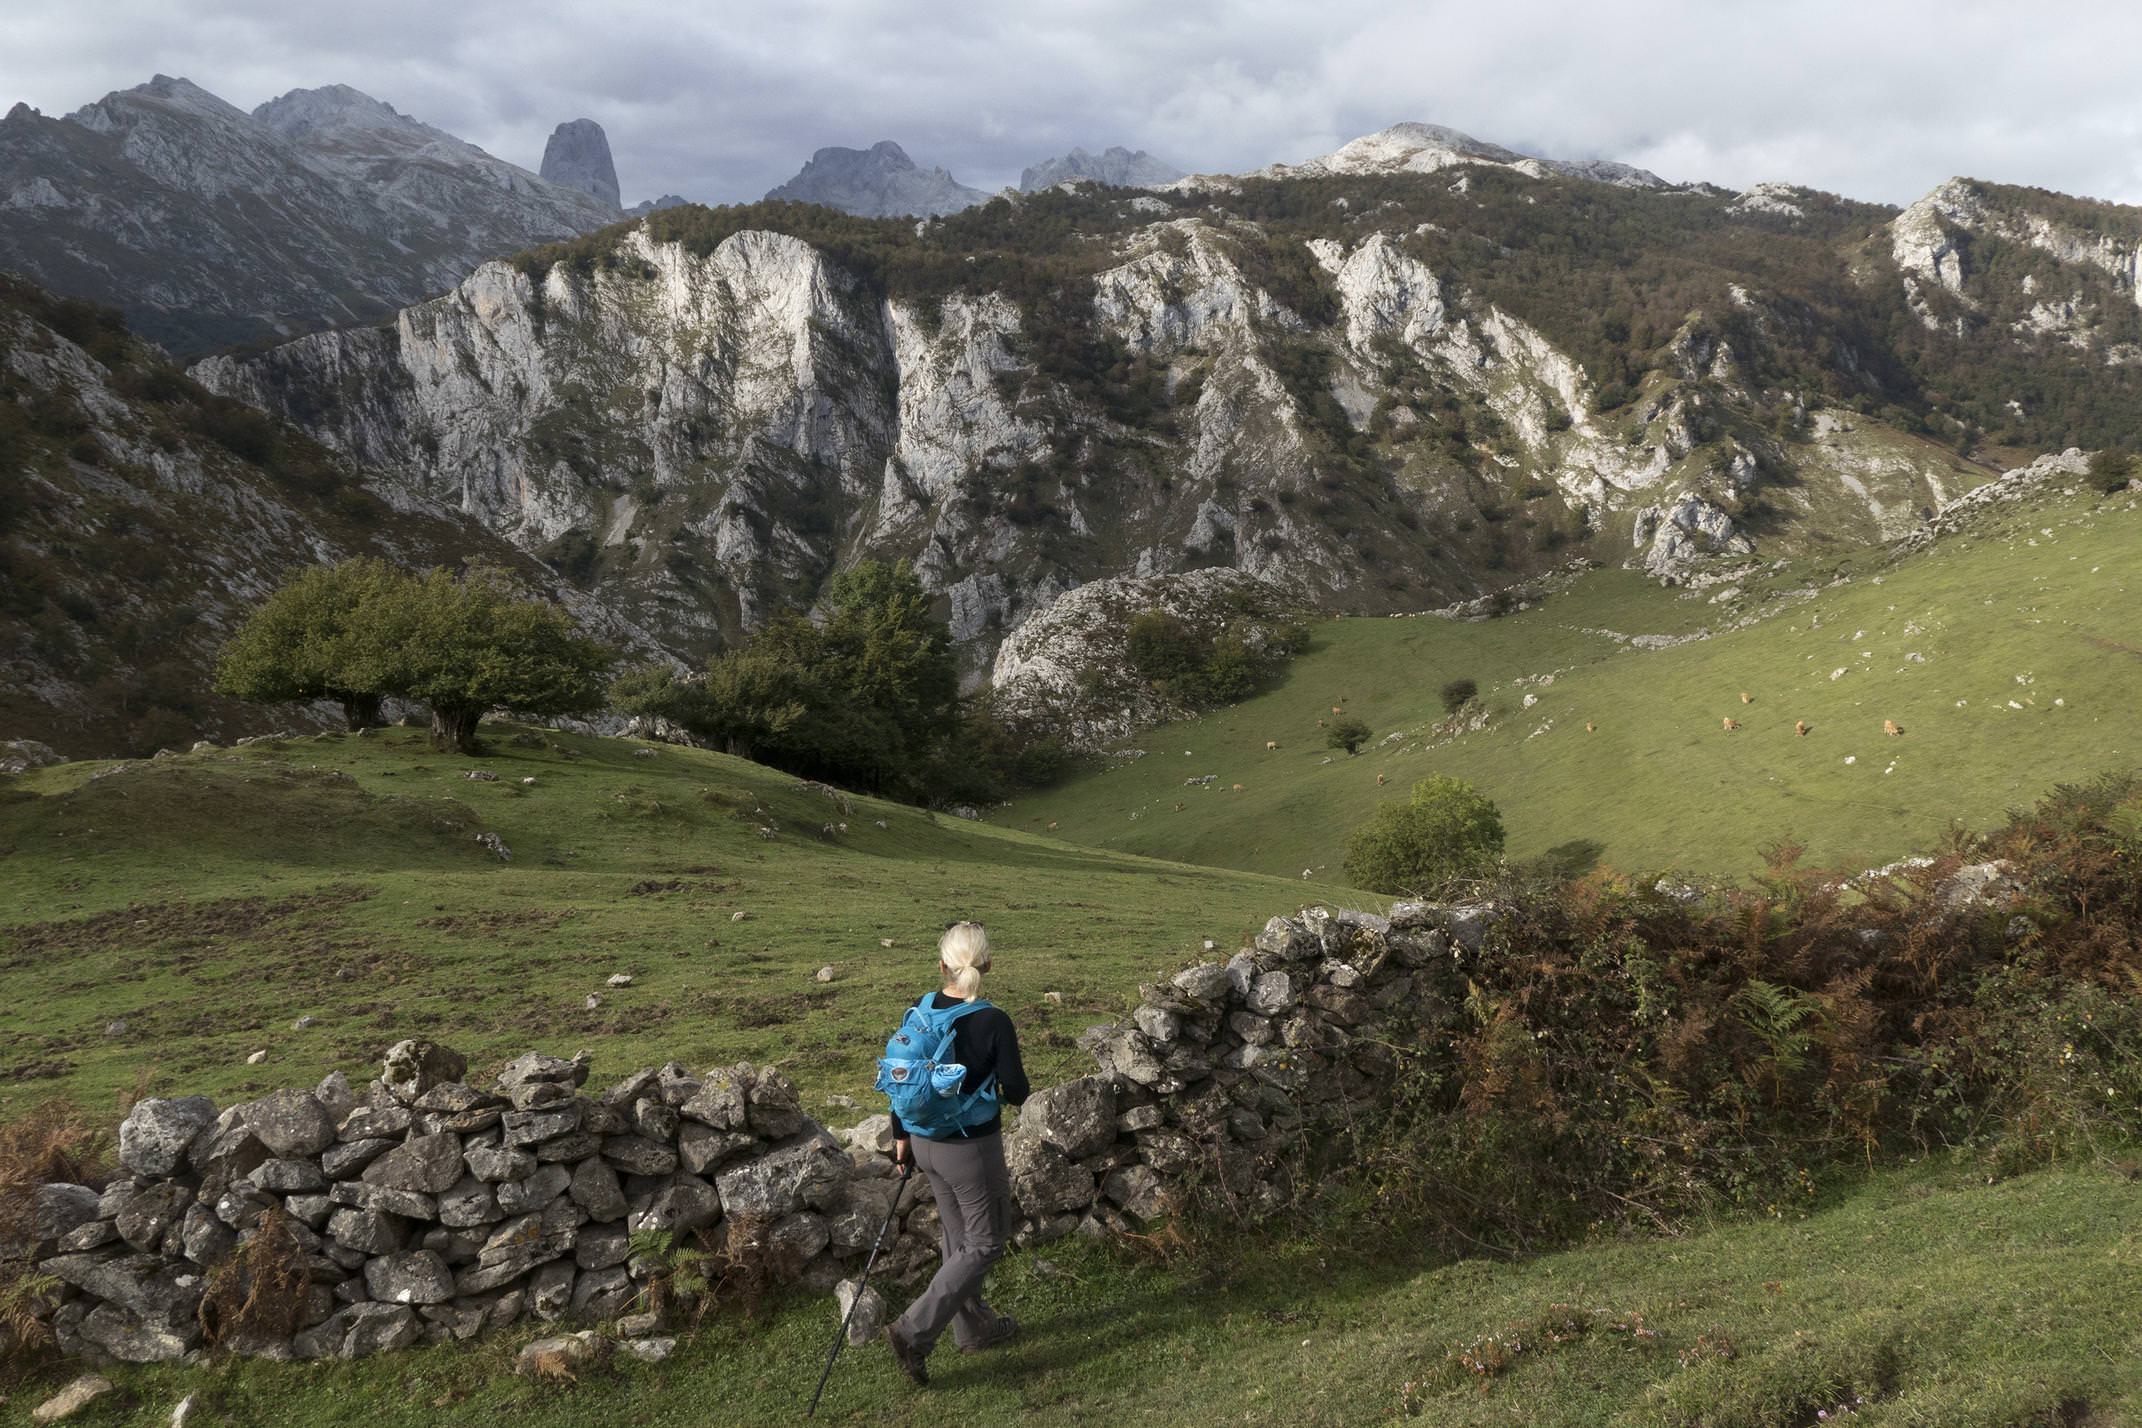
(1445, 832)
(467, 645)
(323, 635)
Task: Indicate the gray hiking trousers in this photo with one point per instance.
(974, 1206)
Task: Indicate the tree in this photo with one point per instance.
(469, 644)
(1162, 647)
(2111, 469)
(1347, 734)
(1444, 832)
(1459, 693)
(323, 635)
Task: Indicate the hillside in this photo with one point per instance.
(177, 915)
(210, 226)
(1920, 1296)
(2003, 649)
(141, 517)
(1375, 391)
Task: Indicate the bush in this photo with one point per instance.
(1446, 832)
(1347, 734)
(1459, 693)
(2111, 469)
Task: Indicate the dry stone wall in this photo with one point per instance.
(425, 1208)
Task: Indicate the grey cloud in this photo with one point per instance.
(1879, 101)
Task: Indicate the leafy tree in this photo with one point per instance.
(466, 645)
(1162, 647)
(1459, 693)
(2111, 468)
(323, 635)
(1347, 734)
(1444, 832)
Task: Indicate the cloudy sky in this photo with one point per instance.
(1878, 99)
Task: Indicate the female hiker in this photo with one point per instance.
(953, 1132)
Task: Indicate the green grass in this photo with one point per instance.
(209, 901)
(1939, 1300)
(2008, 655)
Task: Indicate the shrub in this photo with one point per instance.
(2111, 469)
(1347, 734)
(1444, 833)
(1459, 693)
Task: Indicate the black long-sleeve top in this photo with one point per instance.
(982, 1041)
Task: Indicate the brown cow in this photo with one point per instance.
(1237, 788)
(1270, 745)
(1338, 709)
(1589, 726)
(1379, 780)
(1052, 825)
(1730, 723)
(1891, 726)
(1799, 726)
(1746, 697)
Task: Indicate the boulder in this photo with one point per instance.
(72, 1399)
(151, 1288)
(1271, 993)
(564, 1358)
(595, 1190)
(469, 1203)
(686, 1203)
(334, 1093)
(499, 1162)
(153, 1214)
(347, 1160)
(775, 1110)
(534, 1127)
(375, 1329)
(654, 1119)
(861, 1309)
(129, 1339)
(794, 1240)
(1078, 1117)
(389, 1122)
(1138, 1191)
(412, 1277)
(415, 1066)
(57, 1210)
(290, 1123)
(603, 1293)
(536, 1067)
(362, 1196)
(286, 1177)
(1045, 1181)
(720, 1100)
(783, 1183)
(637, 1155)
(203, 1238)
(366, 1231)
(701, 1148)
(155, 1135)
(1207, 982)
(537, 1192)
(424, 1164)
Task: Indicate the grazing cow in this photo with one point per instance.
(1379, 780)
(1730, 723)
(1799, 726)
(1052, 825)
(1589, 726)
(1236, 788)
(1891, 726)
(1178, 808)
(1270, 745)
(1320, 723)
(1337, 709)
(1746, 697)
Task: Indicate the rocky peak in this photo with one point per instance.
(1427, 148)
(161, 92)
(330, 108)
(878, 182)
(578, 156)
(1116, 165)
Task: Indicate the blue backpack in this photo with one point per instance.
(918, 1075)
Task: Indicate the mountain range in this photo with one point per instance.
(1413, 371)
(211, 227)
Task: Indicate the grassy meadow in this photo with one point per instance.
(2009, 656)
(167, 919)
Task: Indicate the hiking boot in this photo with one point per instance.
(905, 1355)
(1006, 1330)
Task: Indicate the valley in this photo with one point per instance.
(2003, 651)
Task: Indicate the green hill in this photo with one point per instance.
(2006, 653)
(182, 913)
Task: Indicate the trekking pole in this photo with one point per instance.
(841, 1335)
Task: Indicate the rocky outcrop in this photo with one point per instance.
(578, 157)
(1675, 538)
(1067, 672)
(425, 1208)
(207, 225)
(1429, 148)
(878, 182)
(1117, 166)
